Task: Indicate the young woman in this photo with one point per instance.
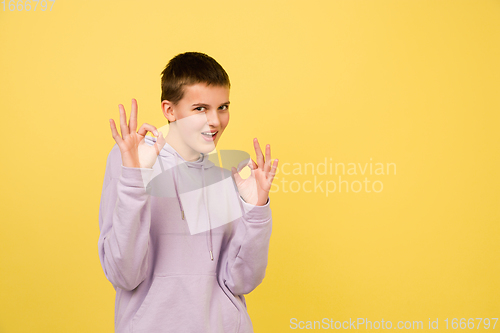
(181, 239)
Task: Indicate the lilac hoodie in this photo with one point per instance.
(179, 245)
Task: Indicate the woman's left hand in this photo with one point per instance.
(255, 189)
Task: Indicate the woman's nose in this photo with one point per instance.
(213, 118)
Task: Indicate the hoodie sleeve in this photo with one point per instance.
(124, 222)
(246, 263)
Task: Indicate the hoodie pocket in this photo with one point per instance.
(186, 303)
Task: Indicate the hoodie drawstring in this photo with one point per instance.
(176, 180)
(175, 183)
(206, 205)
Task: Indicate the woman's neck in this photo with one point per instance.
(185, 151)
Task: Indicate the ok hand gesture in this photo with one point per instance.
(135, 152)
(255, 189)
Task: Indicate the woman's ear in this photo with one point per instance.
(168, 111)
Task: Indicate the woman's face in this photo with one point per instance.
(200, 118)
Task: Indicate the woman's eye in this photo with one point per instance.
(224, 107)
(200, 108)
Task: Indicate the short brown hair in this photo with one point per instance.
(187, 69)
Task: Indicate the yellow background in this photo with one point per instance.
(415, 83)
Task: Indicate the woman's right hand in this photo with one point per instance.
(135, 152)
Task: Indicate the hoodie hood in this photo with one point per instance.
(204, 191)
(168, 151)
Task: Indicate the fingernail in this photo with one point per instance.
(156, 133)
